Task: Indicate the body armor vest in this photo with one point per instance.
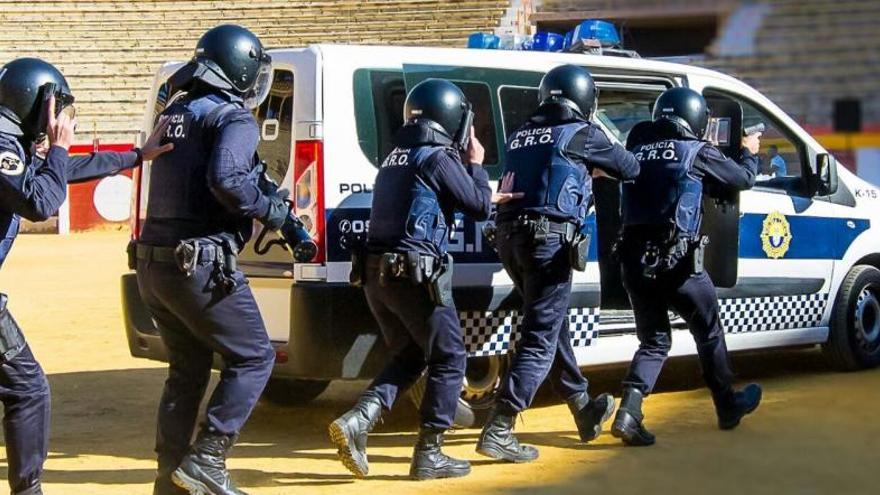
(406, 213)
(666, 192)
(554, 185)
(181, 204)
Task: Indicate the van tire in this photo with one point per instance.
(484, 374)
(854, 337)
(292, 391)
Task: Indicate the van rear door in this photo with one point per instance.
(261, 257)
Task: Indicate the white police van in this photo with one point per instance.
(796, 261)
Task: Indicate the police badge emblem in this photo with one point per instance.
(776, 235)
(10, 164)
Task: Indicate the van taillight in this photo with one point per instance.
(308, 190)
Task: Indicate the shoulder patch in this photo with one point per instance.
(10, 164)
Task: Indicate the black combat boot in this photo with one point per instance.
(34, 490)
(163, 484)
(429, 462)
(349, 433)
(589, 415)
(732, 408)
(498, 441)
(628, 422)
(203, 469)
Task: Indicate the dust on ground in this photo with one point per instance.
(816, 432)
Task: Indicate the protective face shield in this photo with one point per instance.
(63, 104)
(255, 96)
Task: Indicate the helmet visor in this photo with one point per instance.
(263, 83)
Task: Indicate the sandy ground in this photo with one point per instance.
(817, 431)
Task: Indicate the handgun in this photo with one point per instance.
(463, 136)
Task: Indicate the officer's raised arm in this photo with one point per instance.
(598, 152)
(103, 163)
(466, 184)
(725, 172)
(230, 165)
(36, 193)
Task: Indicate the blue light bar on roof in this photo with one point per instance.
(566, 43)
(483, 41)
(593, 29)
(547, 42)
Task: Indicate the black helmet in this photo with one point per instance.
(23, 83)
(685, 107)
(438, 101)
(230, 58)
(572, 86)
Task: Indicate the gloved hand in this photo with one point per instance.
(279, 209)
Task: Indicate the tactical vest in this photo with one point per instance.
(9, 220)
(180, 203)
(406, 213)
(554, 185)
(666, 193)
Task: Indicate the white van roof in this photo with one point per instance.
(507, 58)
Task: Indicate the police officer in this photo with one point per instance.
(661, 252)
(36, 104)
(204, 196)
(551, 158)
(429, 176)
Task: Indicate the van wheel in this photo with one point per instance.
(482, 379)
(293, 392)
(854, 340)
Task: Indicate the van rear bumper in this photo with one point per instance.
(332, 333)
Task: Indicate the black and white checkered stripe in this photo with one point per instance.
(761, 314)
(487, 333)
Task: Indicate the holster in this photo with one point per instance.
(541, 227)
(440, 286)
(131, 252)
(11, 339)
(410, 265)
(190, 252)
(357, 246)
(578, 249)
(490, 233)
(699, 254)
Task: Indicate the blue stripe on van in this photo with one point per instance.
(811, 237)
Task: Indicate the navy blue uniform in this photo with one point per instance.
(204, 191)
(552, 157)
(418, 189)
(676, 169)
(33, 188)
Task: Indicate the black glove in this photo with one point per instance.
(279, 210)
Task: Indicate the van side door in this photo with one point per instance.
(787, 239)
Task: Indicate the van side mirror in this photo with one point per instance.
(824, 180)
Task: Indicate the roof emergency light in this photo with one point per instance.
(593, 29)
(597, 37)
(547, 42)
(483, 41)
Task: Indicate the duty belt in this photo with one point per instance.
(410, 265)
(163, 254)
(188, 254)
(540, 226)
